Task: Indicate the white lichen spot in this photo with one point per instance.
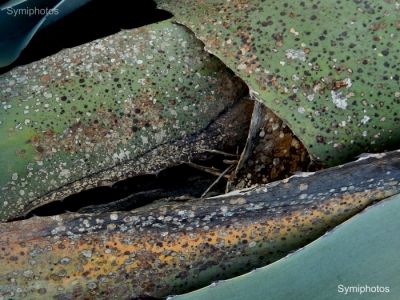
(365, 120)
(252, 244)
(47, 95)
(224, 209)
(92, 285)
(86, 223)
(14, 176)
(301, 110)
(160, 136)
(242, 66)
(65, 260)
(65, 173)
(310, 97)
(114, 217)
(122, 155)
(303, 187)
(111, 226)
(145, 139)
(339, 99)
(87, 253)
(348, 82)
(238, 201)
(293, 31)
(28, 273)
(296, 54)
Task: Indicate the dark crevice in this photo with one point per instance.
(179, 182)
(97, 19)
(207, 159)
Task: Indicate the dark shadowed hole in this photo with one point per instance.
(181, 181)
(97, 19)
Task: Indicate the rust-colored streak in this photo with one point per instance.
(171, 248)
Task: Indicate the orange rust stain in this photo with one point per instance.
(97, 261)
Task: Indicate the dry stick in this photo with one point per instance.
(230, 161)
(220, 152)
(255, 125)
(216, 181)
(212, 171)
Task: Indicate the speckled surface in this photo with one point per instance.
(328, 68)
(362, 249)
(167, 249)
(77, 119)
(272, 152)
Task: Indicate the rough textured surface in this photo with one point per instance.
(272, 152)
(168, 249)
(76, 119)
(228, 132)
(328, 68)
(357, 260)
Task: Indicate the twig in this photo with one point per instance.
(216, 181)
(230, 161)
(219, 152)
(211, 171)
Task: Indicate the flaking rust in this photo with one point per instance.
(170, 248)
